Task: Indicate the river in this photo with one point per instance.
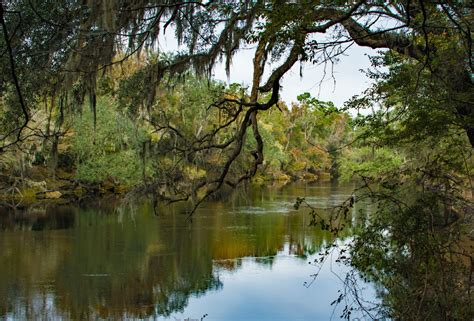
(248, 257)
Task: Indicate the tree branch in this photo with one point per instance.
(23, 106)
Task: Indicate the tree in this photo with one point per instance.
(58, 52)
(435, 36)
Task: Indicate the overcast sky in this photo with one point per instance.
(349, 80)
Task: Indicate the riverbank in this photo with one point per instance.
(38, 184)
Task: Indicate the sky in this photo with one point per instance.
(349, 80)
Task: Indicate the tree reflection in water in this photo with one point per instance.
(125, 262)
(88, 263)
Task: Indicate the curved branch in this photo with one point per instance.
(23, 106)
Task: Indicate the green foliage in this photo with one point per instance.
(413, 144)
(369, 162)
(412, 249)
(416, 163)
(296, 140)
(111, 150)
(10, 111)
(416, 105)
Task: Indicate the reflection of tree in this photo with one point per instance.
(132, 269)
(174, 297)
(38, 219)
(27, 264)
(111, 265)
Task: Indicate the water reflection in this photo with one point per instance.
(88, 263)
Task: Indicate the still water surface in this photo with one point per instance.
(245, 258)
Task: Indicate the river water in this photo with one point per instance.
(248, 257)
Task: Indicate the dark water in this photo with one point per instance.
(245, 258)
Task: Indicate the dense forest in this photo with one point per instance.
(123, 145)
(91, 105)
